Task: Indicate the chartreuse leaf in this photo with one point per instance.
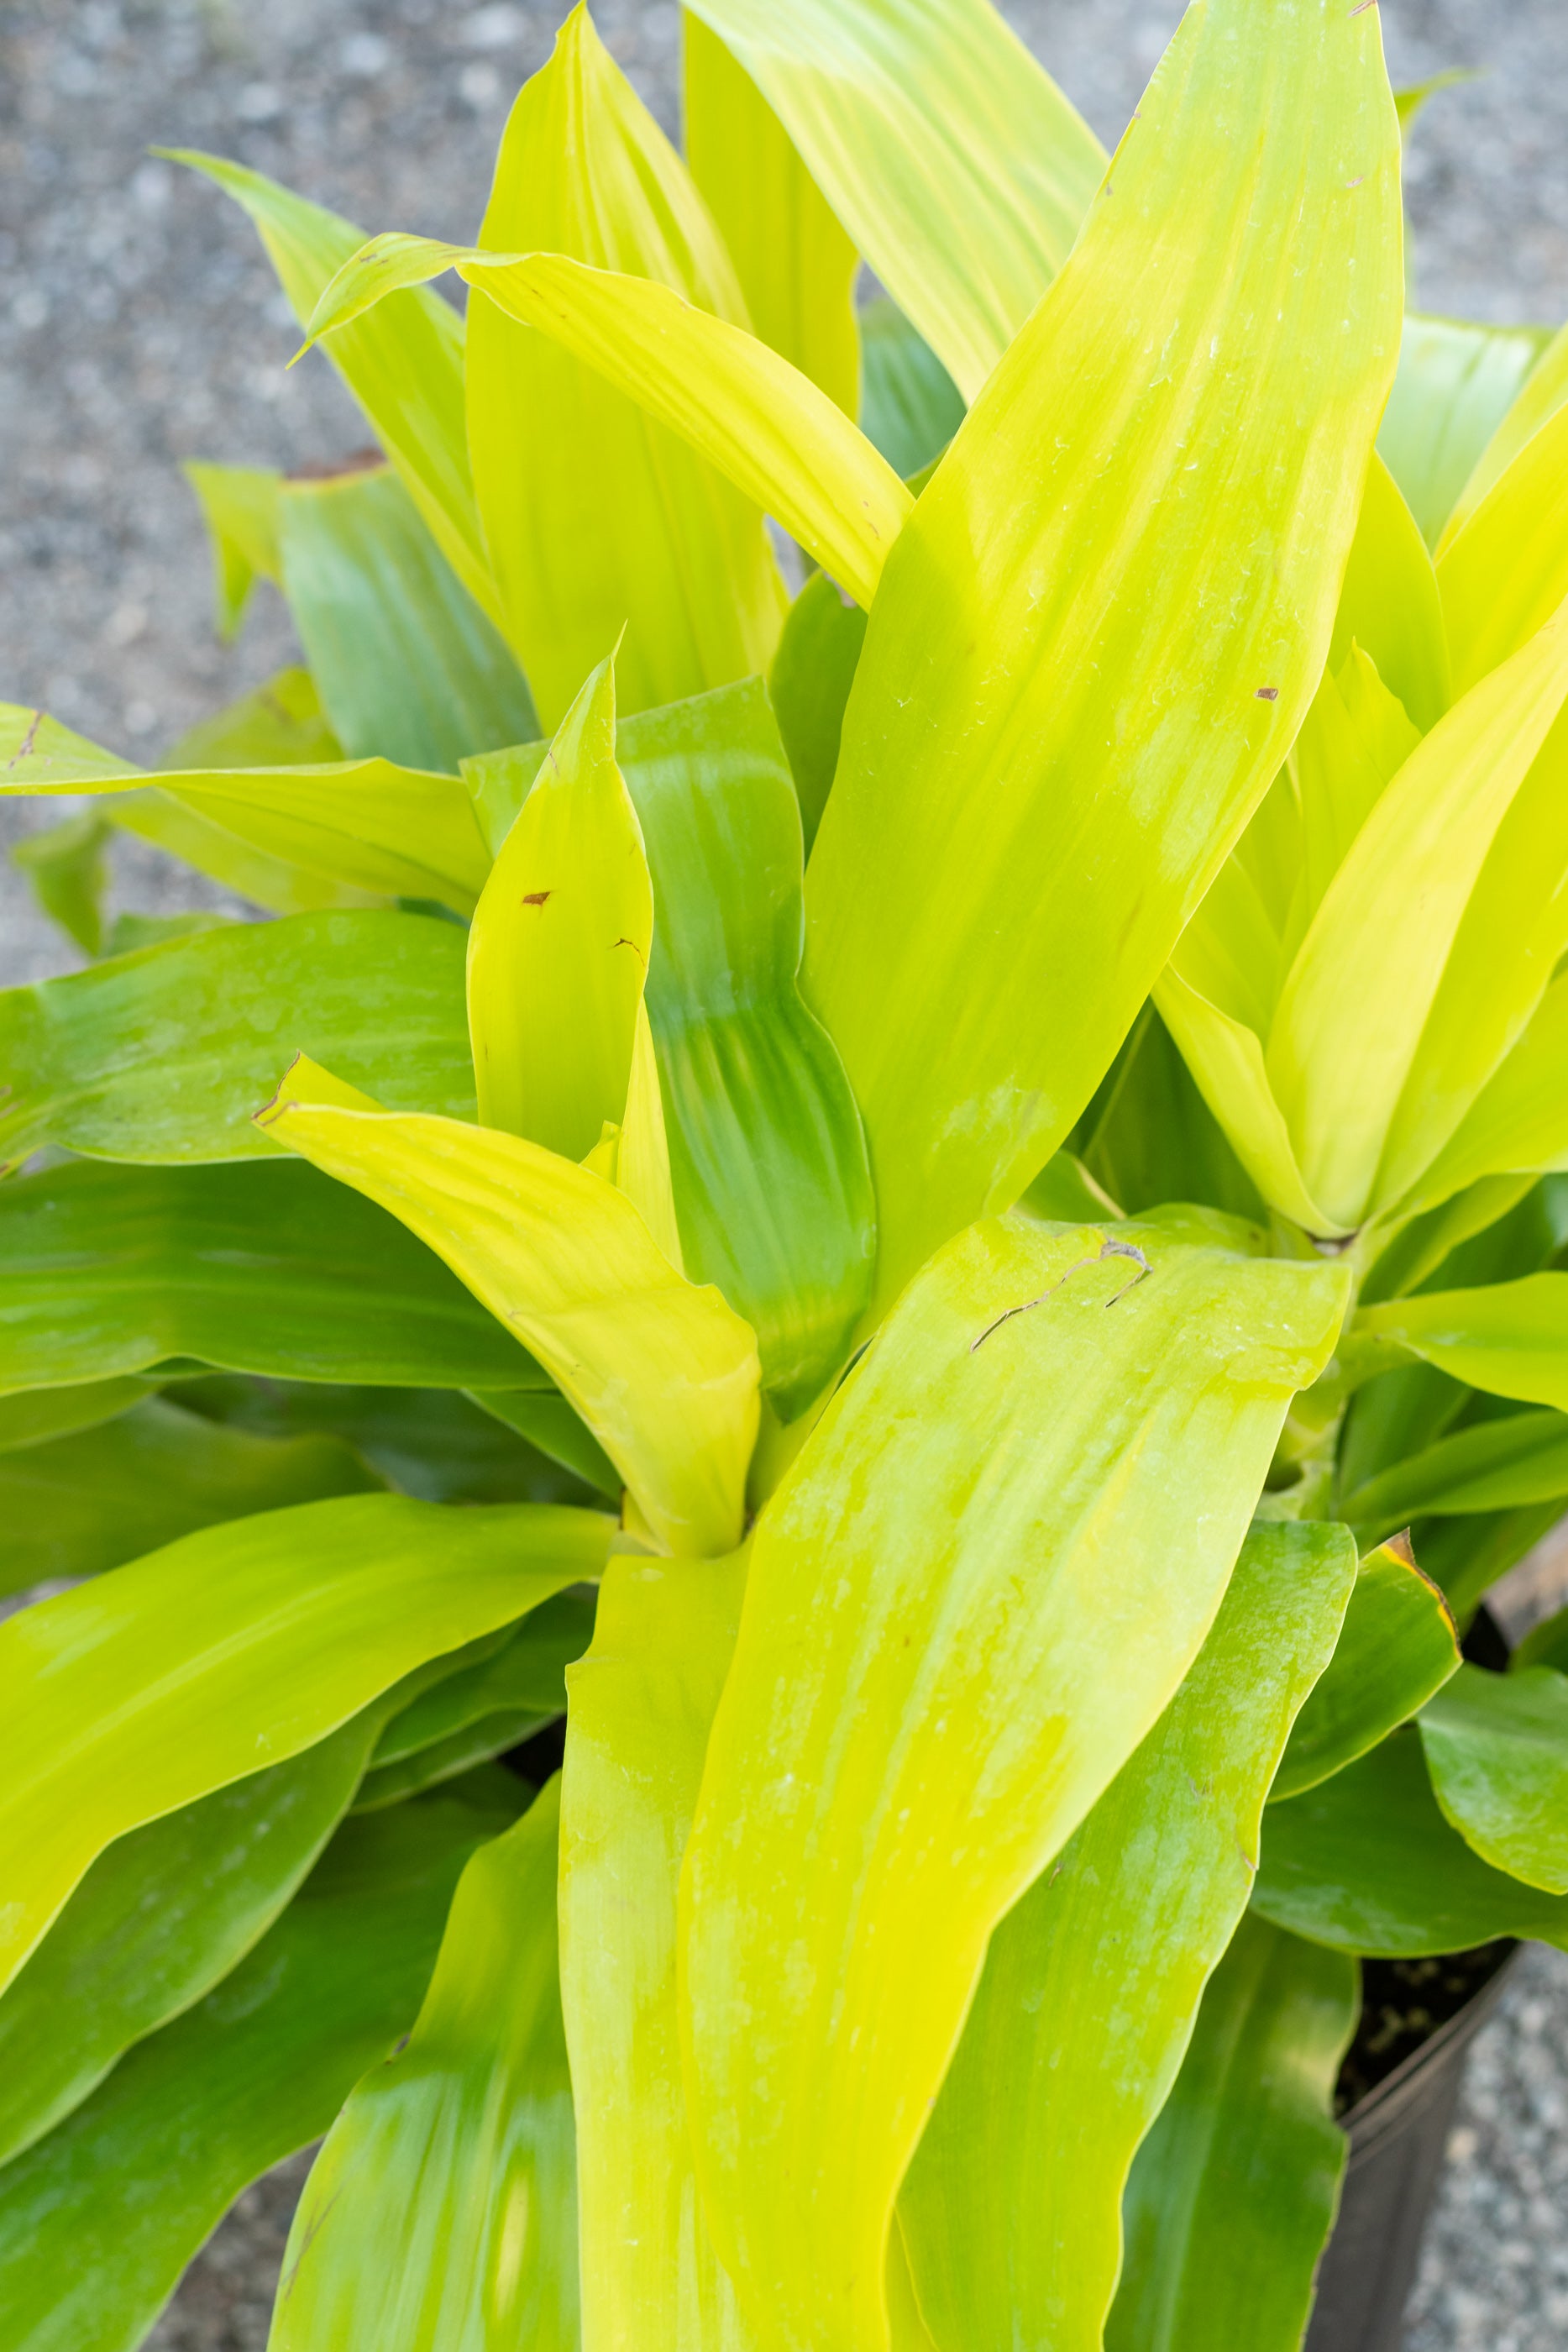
(953, 160)
(239, 507)
(910, 405)
(363, 823)
(180, 830)
(1540, 395)
(163, 1914)
(234, 1649)
(1348, 1031)
(641, 1704)
(1457, 381)
(1493, 1466)
(763, 424)
(98, 2220)
(767, 1158)
(163, 1056)
(559, 950)
(1510, 1337)
(1011, 2210)
(1520, 1119)
(262, 1268)
(1396, 1647)
(809, 685)
(1366, 1862)
(476, 2109)
(279, 724)
(69, 873)
(1389, 605)
(405, 367)
(986, 836)
(965, 1666)
(1504, 575)
(1234, 2192)
(84, 1502)
(796, 267)
(664, 1374)
(595, 515)
(408, 666)
(1497, 1750)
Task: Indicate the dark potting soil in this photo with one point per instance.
(1403, 2003)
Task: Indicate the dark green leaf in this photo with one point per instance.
(35, 1414)
(164, 1056)
(267, 1268)
(1149, 1136)
(1234, 2192)
(771, 1186)
(1366, 1862)
(1396, 1647)
(1545, 1645)
(431, 1442)
(407, 666)
(1467, 1556)
(163, 1914)
(1497, 1750)
(1494, 1465)
(98, 2220)
(808, 685)
(526, 1674)
(910, 405)
(546, 1419)
(77, 1505)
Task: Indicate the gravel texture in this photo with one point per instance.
(141, 327)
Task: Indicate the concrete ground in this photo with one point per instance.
(141, 326)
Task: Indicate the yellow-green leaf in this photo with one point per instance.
(1508, 1338)
(1352, 1010)
(1520, 1118)
(1542, 394)
(664, 1374)
(1457, 382)
(1505, 573)
(239, 504)
(408, 666)
(558, 953)
(233, 1649)
(1012, 2208)
(1398, 1646)
(404, 367)
(640, 1707)
(950, 155)
(362, 823)
(938, 1672)
(1160, 483)
(596, 517)
(441, 2213)
(765, 425)
(796, 267)
(1390, 603)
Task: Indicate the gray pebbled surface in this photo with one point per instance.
(138, 325)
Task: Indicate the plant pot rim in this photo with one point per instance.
(1383, 2108)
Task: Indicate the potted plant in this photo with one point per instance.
(883, 1200)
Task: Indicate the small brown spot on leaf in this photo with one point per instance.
(27, 741)
(1268, 694)
(534, 897)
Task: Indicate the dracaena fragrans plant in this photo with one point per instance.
(887, 1197)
